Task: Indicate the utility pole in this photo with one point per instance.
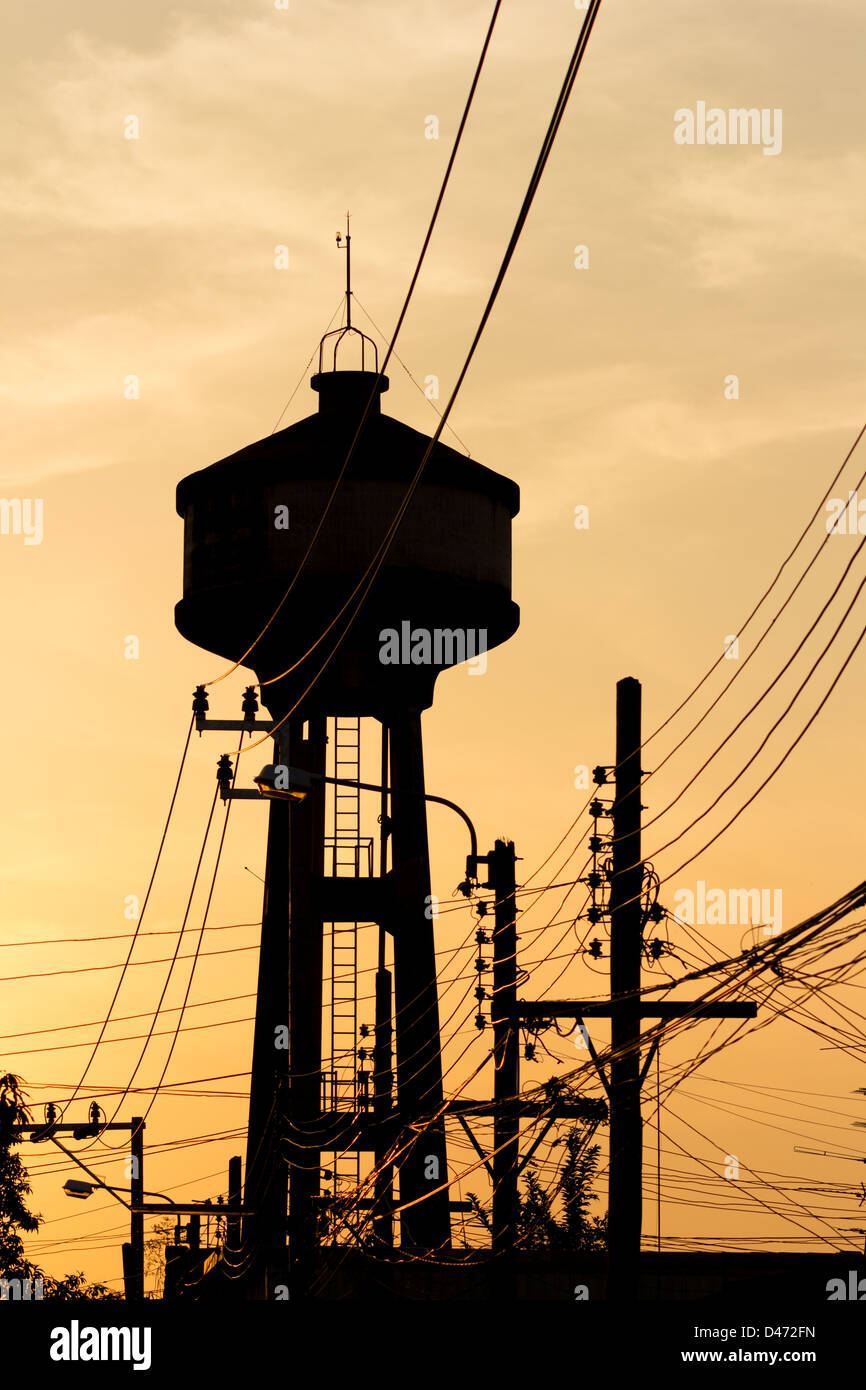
(383, 1076)
(626, 1007)
(626, 944)
(267, 1177)
(235, 1197)
(506, 1047)
(132, 1251)
(135, 1285)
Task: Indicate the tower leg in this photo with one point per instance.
(305, 1001)
(285, 1086)
(423, 1166)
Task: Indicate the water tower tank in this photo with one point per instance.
(448, 568)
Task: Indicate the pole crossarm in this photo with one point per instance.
(194, 1208)
(234, 725)
(48, 1129)
(594, 1008)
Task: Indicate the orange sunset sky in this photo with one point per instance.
(600, 387)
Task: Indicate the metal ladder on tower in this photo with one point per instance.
(344, 939)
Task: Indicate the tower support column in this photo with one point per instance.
(422, 1164)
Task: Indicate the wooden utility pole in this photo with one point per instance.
(267, 1176)
(383, 1221)
(626, 1007)
(135, 1286)
(132, 1250)
(506, 1048)
(235, 1197)
(383, 1076)
(626, 944)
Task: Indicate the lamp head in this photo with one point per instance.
(74, 1187)
(278, 782)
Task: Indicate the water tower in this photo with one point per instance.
(248, 522)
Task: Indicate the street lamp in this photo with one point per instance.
(74, 1187)
(280, 783)
(277, 782)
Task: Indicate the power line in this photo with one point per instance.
(432, 223)
(413, 380)
(152, 1101)
(767, 591)
(365, 583)
(849, 658)
(141, 917)
(768, 688)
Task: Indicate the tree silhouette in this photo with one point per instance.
(538, 1227)
(15, 1216)
(14, 1185)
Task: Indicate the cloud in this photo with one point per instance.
(734, 222)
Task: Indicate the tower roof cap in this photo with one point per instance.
(349, 391)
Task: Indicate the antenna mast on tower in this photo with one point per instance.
(348, 248)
